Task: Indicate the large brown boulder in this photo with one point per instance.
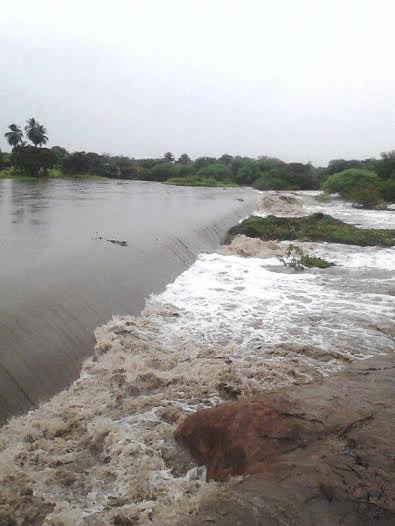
(327, 448)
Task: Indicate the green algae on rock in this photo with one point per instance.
(316, 227)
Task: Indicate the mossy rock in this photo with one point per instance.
(316, 227)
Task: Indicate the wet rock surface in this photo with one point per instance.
(321, 453)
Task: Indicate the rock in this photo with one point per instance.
(315, 454)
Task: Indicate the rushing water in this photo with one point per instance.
(59, 281)
(235, 323)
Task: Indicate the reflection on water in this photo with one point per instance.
(58, 282)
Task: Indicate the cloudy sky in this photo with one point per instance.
(303, 80)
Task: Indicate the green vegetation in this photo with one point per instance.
(32, 161)
(345, 182)
(368, 183)
(317, 227)
(200, 181)
(35, 132)
(362, 187)
(14, 136)
(313, 261)
(298, 260)
(6, 173)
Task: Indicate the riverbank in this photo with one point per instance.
(202, 182)
(205, 182)
(231, 327)
(52, 174)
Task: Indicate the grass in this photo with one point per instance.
(11, 174)
(208, 182)
(316, 227)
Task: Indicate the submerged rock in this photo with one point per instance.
(316, 454)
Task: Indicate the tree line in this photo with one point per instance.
(376, 176)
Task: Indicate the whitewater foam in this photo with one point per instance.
(306, 203)
(348, 256)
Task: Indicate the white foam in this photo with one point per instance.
(337, 208)
(229, 300)
(350, 256)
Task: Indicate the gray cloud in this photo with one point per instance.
(303, 80)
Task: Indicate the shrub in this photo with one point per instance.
(75, 163)
(216, 171)
(367, 196)
(273, 181)
(362, 187)
(55, 172)
(346, 182)
(297, 259)
(161, 172)
(8, 172)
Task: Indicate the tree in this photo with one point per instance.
(36, 132)
(202, 162)
(385, 167)
(14, 136)
(217, 171)
(33, 161)
(60, 153)
(168, 157)
(184, 159)
(247, 172)
(162, 171)
(42, 138)
(226, 159)
(5, 160)
(76, 163)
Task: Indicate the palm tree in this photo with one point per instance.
(36, 132)
(41, 131)
(14, 136)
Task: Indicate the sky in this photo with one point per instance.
(302, 80)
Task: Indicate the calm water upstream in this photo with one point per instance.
(58, 281)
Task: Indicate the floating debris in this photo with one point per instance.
(113, 241)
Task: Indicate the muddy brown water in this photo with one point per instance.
(58, 280)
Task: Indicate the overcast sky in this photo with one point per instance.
(303, 80)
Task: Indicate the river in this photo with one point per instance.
(235, 323)
(59, 281)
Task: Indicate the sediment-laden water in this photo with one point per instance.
(59, 280)
(235, 324)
